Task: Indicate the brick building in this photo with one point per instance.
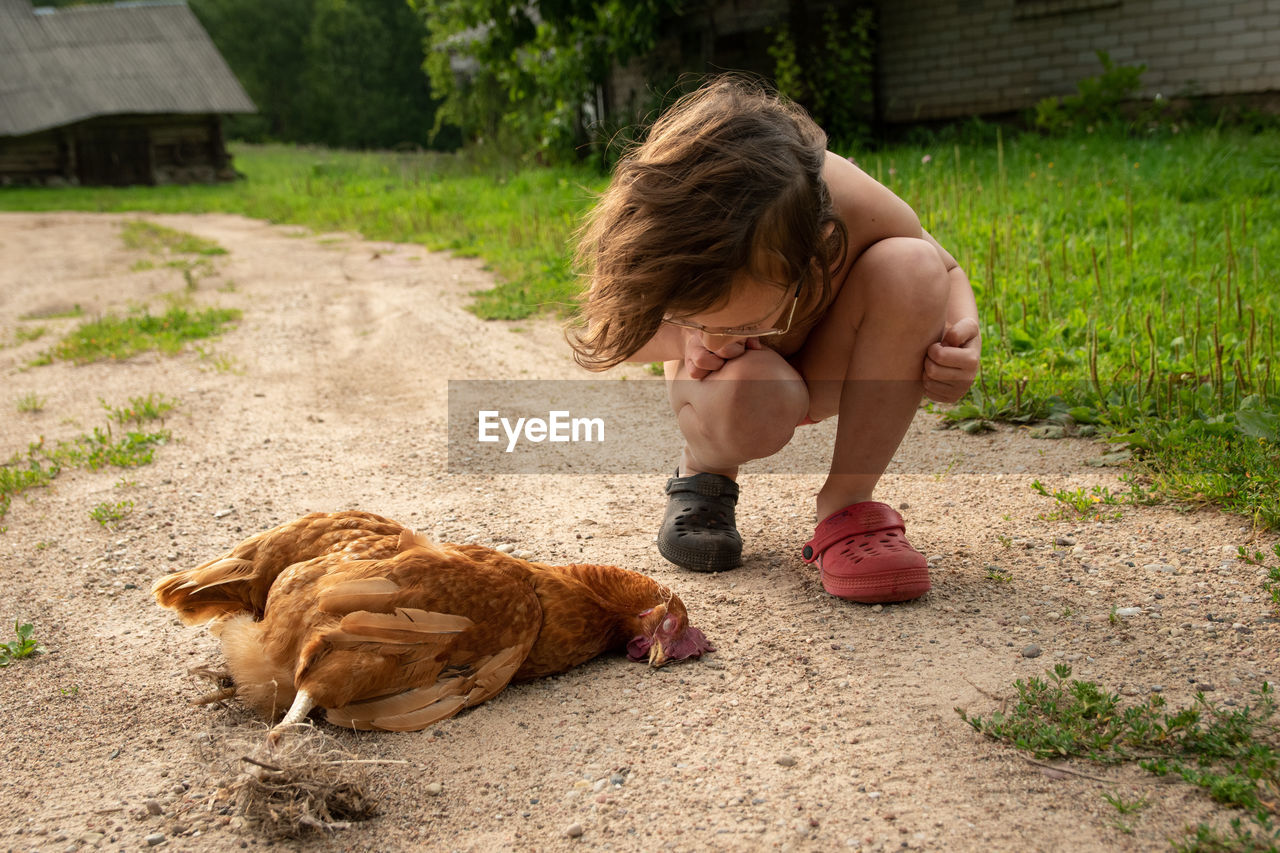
(947, 58)
(941, 59)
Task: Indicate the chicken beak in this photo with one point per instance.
(656, 656)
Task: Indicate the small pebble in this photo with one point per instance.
(786, 760)
(522, 555)
(876, 608)
(505, 548)
(1128, 611)
(222, 513)
(1064, 541)
(154, 838)
(617, 779)
(153, 807)
(573, 830)
(435, 789)
(1031, 651)
(1204, 687)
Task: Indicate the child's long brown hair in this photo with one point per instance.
(729, 179)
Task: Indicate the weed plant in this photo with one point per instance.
(28, 333)
(141, 410)
(1233, 754)
(41, 463)
(109, 514)
(23, 647)
(1272, 582)
(30, 402)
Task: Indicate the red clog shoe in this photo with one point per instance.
(864, 557)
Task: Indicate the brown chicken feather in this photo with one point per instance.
(355, 613)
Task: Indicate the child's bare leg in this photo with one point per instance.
(746, 410)
(865, 359)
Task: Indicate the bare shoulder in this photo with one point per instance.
(869, 209)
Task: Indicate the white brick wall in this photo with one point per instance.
(944, 58)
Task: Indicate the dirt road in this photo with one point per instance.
(815, 725)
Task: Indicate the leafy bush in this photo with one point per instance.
(828, 70)
(1097, 102)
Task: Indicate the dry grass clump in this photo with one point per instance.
(303, 786)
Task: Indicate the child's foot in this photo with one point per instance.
(699, 531)
(864, 557)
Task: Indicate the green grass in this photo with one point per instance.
(1124, 287)
(1094, 504)
(112, 338)
(162, 240)
(1232, 754)
(1126, 284)
(41, 463)
(518, 221)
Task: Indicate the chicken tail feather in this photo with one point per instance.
(206, 592)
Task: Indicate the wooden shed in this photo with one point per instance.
(130, 93)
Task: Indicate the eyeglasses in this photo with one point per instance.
(744, 332)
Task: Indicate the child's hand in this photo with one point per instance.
(702, 361)
(951, 365)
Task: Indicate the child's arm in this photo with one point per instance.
(952, 364)
(872, 213)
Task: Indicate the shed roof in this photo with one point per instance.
(65, 65)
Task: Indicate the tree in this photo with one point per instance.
(344, 73)
(363, 81)
(264, 42)
(528, 75)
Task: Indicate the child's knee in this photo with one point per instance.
(760, 399)
(906, 275)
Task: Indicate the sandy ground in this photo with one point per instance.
(815, 725)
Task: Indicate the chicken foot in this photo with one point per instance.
(302, 705)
